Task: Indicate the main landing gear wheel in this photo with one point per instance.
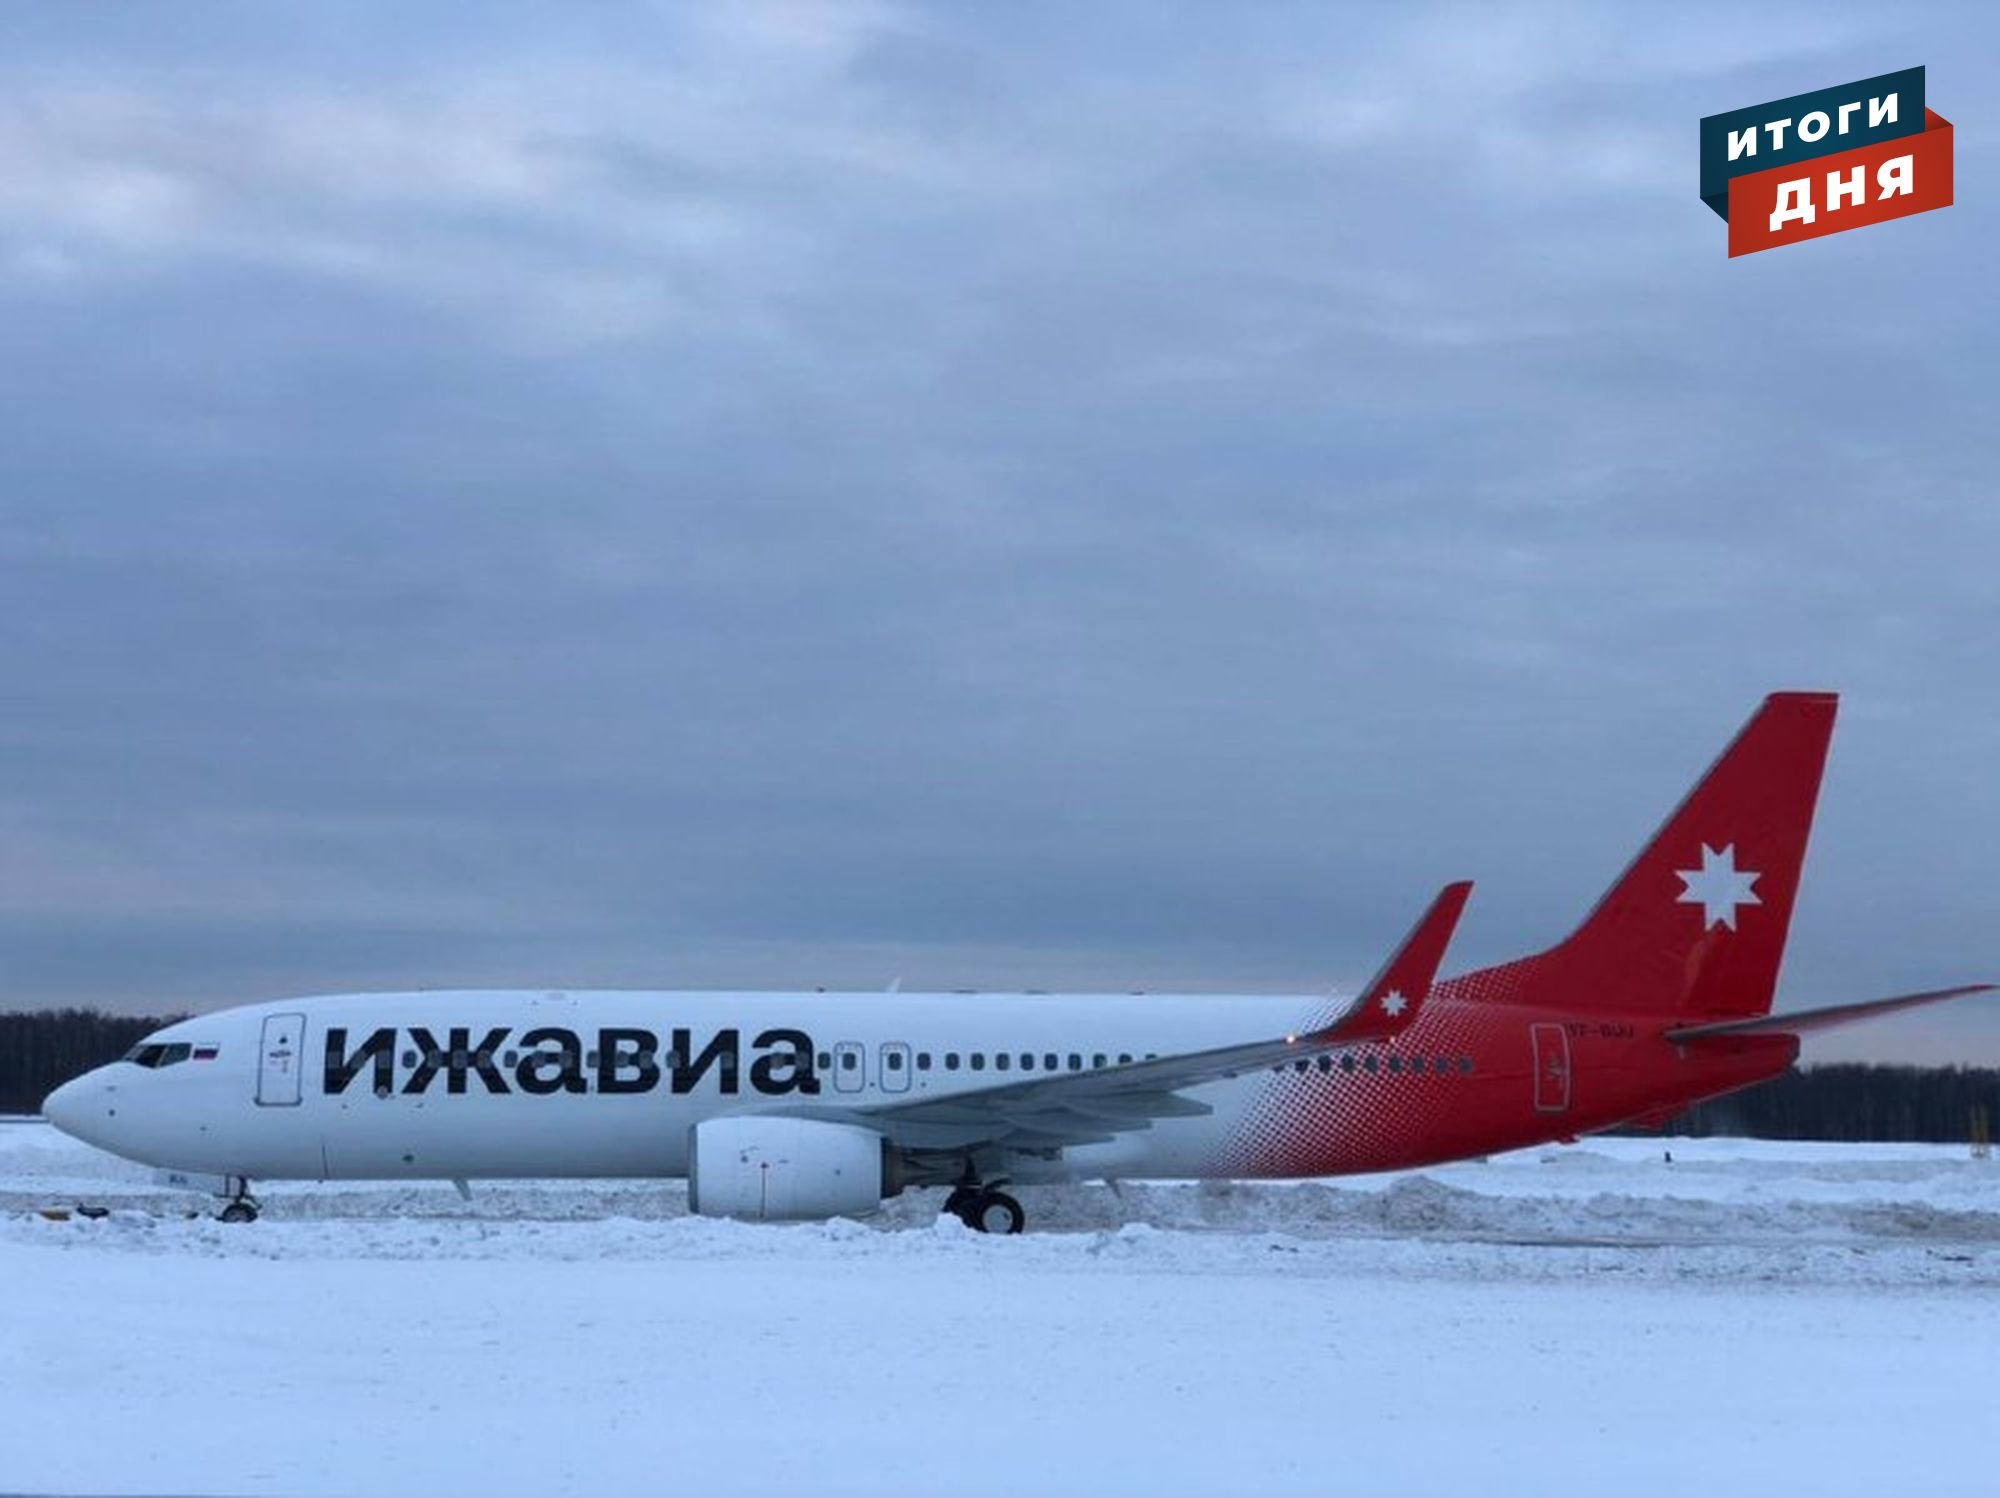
(993, 1212)
(960, 1202)
(242, 1205)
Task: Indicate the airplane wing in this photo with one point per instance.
(1089, 1107)
(1801, 1021)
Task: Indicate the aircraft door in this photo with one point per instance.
(1551, 1046)
(850, 1066)
(892, 1066)
(279, 1060)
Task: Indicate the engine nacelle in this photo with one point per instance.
(771, 1169)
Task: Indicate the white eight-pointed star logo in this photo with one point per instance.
(1393, 1003)
(1718, 887)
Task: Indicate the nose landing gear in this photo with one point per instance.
(985, 1209)
(242, 1206)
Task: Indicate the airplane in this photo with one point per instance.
(801, 1106)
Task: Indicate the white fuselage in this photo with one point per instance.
(406, 1085)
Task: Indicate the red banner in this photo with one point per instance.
(1844, 190)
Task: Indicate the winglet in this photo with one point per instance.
(1390, 1002)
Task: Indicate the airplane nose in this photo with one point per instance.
(62, 1106)
(71, 1105)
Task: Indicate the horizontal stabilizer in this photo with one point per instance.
(1803, 1021)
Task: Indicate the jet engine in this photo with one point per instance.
(776, 1169)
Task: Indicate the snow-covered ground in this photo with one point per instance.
(1820, 1318)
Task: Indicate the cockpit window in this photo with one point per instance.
(154, 1055)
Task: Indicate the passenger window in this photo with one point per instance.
(1124, 1058)
(1049, 1061)
(1325, 1062)
(512, 1058)
(1416, 1063)
(951, 1060)
(1440, 1065)
(1097, 1059)
(1075, 1061)
(979, 1061)
(409, 1058)
(590, 1059)
(895, 1060)
(923, 1060)
(1347, 1062)
(1027, 1061)
(1465, 1066)
(825, 1061)
(848, 1060)
(1300, 1065)
(1369, 1063)
(1001, 1061)
(1396, 1064)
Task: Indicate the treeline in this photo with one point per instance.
(1856, 1104)
(43, 1048)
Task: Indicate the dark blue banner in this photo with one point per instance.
(1807, 125)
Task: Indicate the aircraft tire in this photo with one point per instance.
(995, 1212)
(237, 1212)
(959, 1203)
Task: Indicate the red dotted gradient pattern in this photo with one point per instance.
(1338, 1122)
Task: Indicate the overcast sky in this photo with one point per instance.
(992, 495)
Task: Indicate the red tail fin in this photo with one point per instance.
(1695, 928)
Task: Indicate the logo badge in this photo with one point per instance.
(1837, 158)
(1718, 887)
